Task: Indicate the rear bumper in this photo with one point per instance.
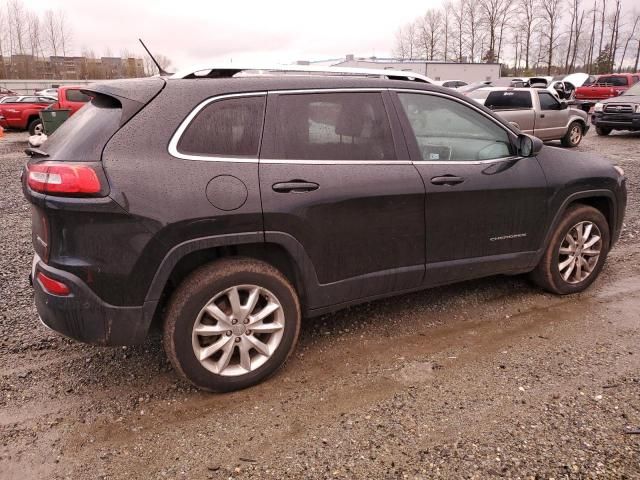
(83, 316)
(629, 121)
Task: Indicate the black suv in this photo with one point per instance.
(229, 208)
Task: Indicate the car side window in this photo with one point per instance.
(226, 127)
(29, 100)
(635, 78)
(548, 101)
(333, 126)
(46, 100)
(448, 130)
(508, 99)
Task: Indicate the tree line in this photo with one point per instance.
(527, 37)
(28, 40)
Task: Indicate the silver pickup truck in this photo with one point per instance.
(537, 112)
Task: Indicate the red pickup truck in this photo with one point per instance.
(69, 98)
(23, 113)
(603, 87)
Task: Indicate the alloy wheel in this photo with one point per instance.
(238, 330)
(576, 134)
(579, 252)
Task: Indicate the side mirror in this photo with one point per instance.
(528, 146)
(563, 105)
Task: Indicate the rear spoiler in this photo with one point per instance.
(131, 94)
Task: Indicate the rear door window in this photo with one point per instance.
(333, 126)
(503, 100)
(225, 127)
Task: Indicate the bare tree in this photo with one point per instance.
(529, 20)
(550, 19)
(64, 32)
(615, 28)
(589, 59)
(473, 27)
(428, 33)
(629, 38)
(17, 26)
(446, 18)
(460, 19)
(51, 32)
(493, 18)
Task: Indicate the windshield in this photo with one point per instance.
(635, 90)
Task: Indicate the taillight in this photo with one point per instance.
(52, 286)
(63, 179)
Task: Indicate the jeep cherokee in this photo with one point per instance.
(229, 204)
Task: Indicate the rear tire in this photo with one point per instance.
(36, 127)
(573, 136)
(571, 265)
(220, 348)
(603, 131)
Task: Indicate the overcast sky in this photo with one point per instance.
(192, 31)
(195, 31)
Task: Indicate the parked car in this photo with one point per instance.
(620, 113)
(48, 92)
(605, 86)
(69, 98)
(450, 83)
(4, 92)
(10, 98)
(197, 203)
(22, 114)
(538, 112)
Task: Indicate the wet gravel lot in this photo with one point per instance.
(485, 379)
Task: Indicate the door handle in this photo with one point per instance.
(447, 180)
(542, 115)
(294, 186)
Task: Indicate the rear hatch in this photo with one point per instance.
(67, 186)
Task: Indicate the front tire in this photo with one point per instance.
(36, 127)
(576, 252)
(603, 131)
(573, 136)
(231, 324)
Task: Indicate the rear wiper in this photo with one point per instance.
(36, 152)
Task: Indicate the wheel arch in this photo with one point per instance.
(188, 256)
(602, 200)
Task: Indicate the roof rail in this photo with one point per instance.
(229, 70)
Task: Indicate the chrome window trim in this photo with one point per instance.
(173, 143)
(175, 139)
(474, 107)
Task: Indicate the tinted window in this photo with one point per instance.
(228, 127)
(449, 130)
(29, 100)
(8, 99)
(635, 78)
(333, 126)
(84, 135)
(548, 102)
(614, 81)
(77, 96)
(46, 100)
(590, 81)
(508, 99)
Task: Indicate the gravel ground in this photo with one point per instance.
(484, 379)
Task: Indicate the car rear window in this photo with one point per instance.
(508, 99)
(333, 126)
(228, 127)
(83, 136)
(77, 96)
(614, 81)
